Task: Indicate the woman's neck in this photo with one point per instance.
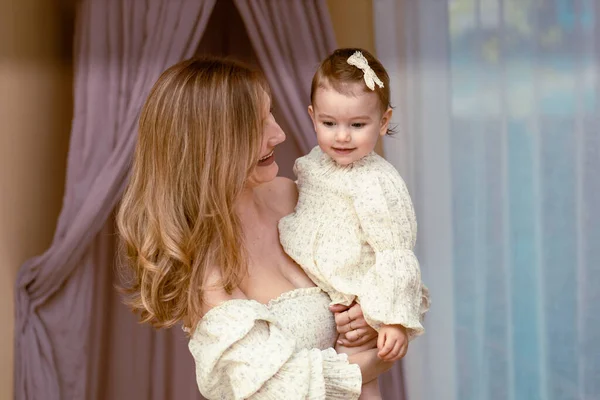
(248, 205)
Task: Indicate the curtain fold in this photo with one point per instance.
(121, 48)
(290, 39)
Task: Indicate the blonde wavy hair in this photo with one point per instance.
(200, 133)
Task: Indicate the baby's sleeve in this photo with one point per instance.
(241, 353)
(391, 292)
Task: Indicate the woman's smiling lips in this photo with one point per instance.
(267, 160)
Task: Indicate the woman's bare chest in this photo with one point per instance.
(270, 271)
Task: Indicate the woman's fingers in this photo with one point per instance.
(357, 317)
(348, 318)
(343, 322)
(338, 308)
(351, 325)
(359, 337)
(359, 322)
(363, 341)
(355, 311)
(358, 334)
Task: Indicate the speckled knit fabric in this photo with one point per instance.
(353, 231)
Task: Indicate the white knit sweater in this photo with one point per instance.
(353, 231)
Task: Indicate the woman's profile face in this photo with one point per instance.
(266, 168)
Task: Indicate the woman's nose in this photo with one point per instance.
(277, 136)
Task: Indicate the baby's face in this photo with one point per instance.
(348, 126)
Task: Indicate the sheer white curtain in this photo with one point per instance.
(499, 117)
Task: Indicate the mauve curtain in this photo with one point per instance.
(290, 39)
(122, 46)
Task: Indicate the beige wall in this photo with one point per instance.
(35, 109)
(353, 23)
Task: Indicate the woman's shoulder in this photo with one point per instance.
(214, 294)
(281, 194)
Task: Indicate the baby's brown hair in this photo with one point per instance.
(335, 72)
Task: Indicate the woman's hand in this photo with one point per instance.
(354, 330)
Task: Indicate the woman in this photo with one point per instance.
(199, 221)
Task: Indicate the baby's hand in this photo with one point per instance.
(392, 342)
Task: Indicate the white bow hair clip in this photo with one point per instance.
(359, 61)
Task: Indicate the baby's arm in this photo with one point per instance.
(391, 292)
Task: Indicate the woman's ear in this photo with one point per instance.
(385, 122)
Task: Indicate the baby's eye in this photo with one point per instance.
(328, 123)
(358, 124)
